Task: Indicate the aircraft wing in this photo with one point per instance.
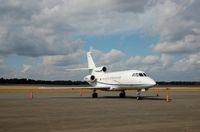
(74, 88)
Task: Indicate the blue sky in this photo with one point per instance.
(132, 44)
(39, 40)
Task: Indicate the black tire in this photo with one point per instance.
(122, 95)
(139, 98)
(94, 95)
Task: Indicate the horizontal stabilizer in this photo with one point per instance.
(78, 69)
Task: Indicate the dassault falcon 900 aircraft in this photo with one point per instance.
(100, 79)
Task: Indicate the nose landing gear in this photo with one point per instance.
(138, 95)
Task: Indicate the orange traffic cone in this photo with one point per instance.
(168, 99)
(31, 96)
(81, 93)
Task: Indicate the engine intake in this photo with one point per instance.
(89, 78)
(92, 77)
(100, 69)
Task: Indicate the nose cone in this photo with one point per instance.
(151, 82)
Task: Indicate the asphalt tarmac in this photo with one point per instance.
(51, 112)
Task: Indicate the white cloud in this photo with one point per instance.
(148, 60)
(50, 29)
(159, 67)
(25, 68)
(52, 59)
(189, 44)
(113, 56)
(64, 60)
(39, 26)
(166, 60)
(191, 62)
(174, 23)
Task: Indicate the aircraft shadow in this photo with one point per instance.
(115, 97)
(135, 97)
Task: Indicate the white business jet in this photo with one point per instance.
(100, 79)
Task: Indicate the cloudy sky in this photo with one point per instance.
(40, 39)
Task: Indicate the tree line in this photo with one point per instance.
(69, 82)
(179, 83)
(31, 81)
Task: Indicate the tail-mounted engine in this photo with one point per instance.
(89, 78)
(100, 69)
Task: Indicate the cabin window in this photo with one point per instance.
(133, 75)
(138, 75)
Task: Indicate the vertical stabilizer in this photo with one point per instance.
(91, 64)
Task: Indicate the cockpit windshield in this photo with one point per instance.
(139, 75)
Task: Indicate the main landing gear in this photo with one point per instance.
(138, 95)
(122, 94)
(94, 94)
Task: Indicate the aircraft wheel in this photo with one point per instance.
(122, 95)
(139, 98)
(94, 95)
